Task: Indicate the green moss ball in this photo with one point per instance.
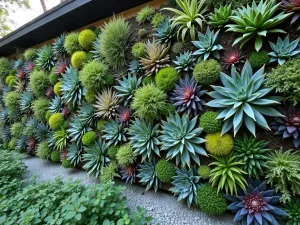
(112, 152)
(43, 150)
(40, 108)
(100, 124)
(166, 78)
(12, 143)
(157, 19)
(55, 156)
(78, 58)
(30, 54)
(90, 96)
(207, 72)
(210, 201)
(204, 172)
(12, 82)
(142, 33)
(12, 100)
(66, 163)
(71, 43)
(259, 59)
(9, 78)
(209, 122)
(219, 145)
(56, 120)
(48, 114)
(53, 78)
(39, 81)
(125, 156)
(147, 80)
(138, 50)
(89, 138)
(165, 170)
(178, 47)
(57, 89)
(17, 129)
(86, 39)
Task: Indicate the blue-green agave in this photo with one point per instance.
(143, 137)
(186, 184)
(134, 68)
(26, 101)
(243, 99)
(185, 62)
(56, 105)
(148, 176)
(45, 58)
(114, 133)
(77, 129)
(165, 32)
(58, 46)
(284, 50)
(75, 153)
(207, 45)
(87, 114)
(97, 49)
(180, 137)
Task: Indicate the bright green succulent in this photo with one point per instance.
(148, 176)
(75, 152)
(143, 137)
(256, 21)
(185, 62)
(77, 129)
(221, 16)
(45, 58)
(180, 137)
(109, 172)
(165, 32)
(125, 155)
(243, 100)
(114, 133)
(60, 138)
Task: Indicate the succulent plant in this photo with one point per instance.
(221, 16)
(114, 133)
(77, 129)
(232, 57)
(22, 144)
(18, 64)
(128, 174)
(156, 57)
(26, 101)
(292, 6)
(124, 115)
(42, 132)
(56, 105)
(29, 67)
(289, 125)
(134, 68)
(257, 205)
(75, 152)
(61, 66)
(60, 138)
(185, 62)
(31, 125)
(253, 153)
(187, 96)
(247, 93)
(165, 32)
(6, 135)
(147, 175)
(31, 144)
(218, 145)
(284, 50)
(143, 137)
(180, 137)
(95, 158)
(145, 14)
(204, 172)
(96, 50)
(186, 184)
(71, 88)
(207, 45)
(21, 75)
(125, 155)
(107, 104)
(292, 209)
(109, 172)
(127, 87)
(45, 58)
(49, 92)
(86, 114)
(4, 116)
(58, 47)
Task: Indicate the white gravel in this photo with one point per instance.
(162, 206)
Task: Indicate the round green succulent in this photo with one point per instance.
(53, 78)
(138, 50)
(219, 145)
(89, 138)
(125, 156)
(86, 39)
(258, 59)
(165, 170)
(30, 54)
(56, 120)
(55, 156)
(147, 80)
(178, 47)
(17, 129)
(100, 124)
(210, 201)
(66, 163)
(39, 81)
(142, 33)
(207, 72)
(12, 100)
(209, 122)
(204, 172)
(57, 88)
(40, 108)
(166, 78)
(90, 96)
(78, 58)
(71, 43)
(43, 150)
(112, 152)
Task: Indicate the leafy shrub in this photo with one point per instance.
(218, 145)
(114, 39)
(166, 78)
(12, 100)
(210, 201)
(17, 129)
(30, 54)
(5, 66)
(86, 39)
(145, 14)
(138, 50)
(71, 43)
(207, 72)
(39, 81)
(89, 138)
(157, 19)
(55, 156)
(78, 59)
(56, 120)
(66, 163)
(284, 80)
(204, 172)
(125, 156)
(112, 152)
(40, 108)
(209, 122)
(165, 170)
(43, 150)
(11, 166)
(259, 59)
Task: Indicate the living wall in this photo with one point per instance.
(198, 98)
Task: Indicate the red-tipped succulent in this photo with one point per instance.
(29, 67)
(31, 144)
(50, 92)
(65, 111)
(124, 115)
(232, 57)
(21, 74)
(128, 174)
(292, 6)
(61, 67)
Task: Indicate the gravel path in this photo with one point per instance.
(162, 206)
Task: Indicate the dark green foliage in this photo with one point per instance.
(53, 78)
(55, 156)
(39, 81)
(66, 163)
(259, 59)
(207, 72)
(165, 170)
(293, 209)
(145, 14)
(209, 122)
(45, 58)
(142, 33)
(166, 78)
(125, 155)
(210, 201)
(112, 152)
(5, 66)
(178, 47)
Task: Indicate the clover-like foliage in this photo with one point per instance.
(75, 152)
(77, 129)
(256, 21)
(243, 99)
(95, 158)
(185, 62)
(148, 176)
(114, 133)
(144, 138)
(257, 205)
(227, 174)
(253, 153)
(87, 115)
(186, 184)
(221, 16)
(165, 32)
(207, 45)
(26, 101)
(180, 137)
(45, 58)
(284, 50)
(71, 88)
(187, 96)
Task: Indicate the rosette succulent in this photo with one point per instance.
(221, 16)
(75, 152)
(114, 133)
(87, 115)
(56, 105)
(185, 62)
(124, 115)
(232, 57)
(107, 104)
(148, 176)
(77, 129)
(128, 174)
(292, 6)
(134, 68)
(165, 31)
(58, 46)
(27, 99)
(45, 58)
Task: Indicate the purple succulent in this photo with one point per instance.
(292, 6)
(187, 96)
(61, 67)
(128, 174)
(124, 115)
(289, 125)
(28, 67)
(256, 206)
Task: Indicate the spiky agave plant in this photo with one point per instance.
(21, 144)
(21, 75)
(243, 99)
(6, 134)
(233, 57)
(144, 140)
(257, 205)
(128, 174)
(95, 157)
(148, 176)
(18, 64)
(127, 87)
(86, 114)
(56, 105)
(185, 185)
(187, 96)
(77, 129)
(42, 132)
(97, 49)
(58, 47)
(107, 104)
(185, 62)
(180, 137)
(60, 138)
(292, 6)
(49, 92)
(75, 152)
(221, 16)
(4, 116)
(165, 31)
(134, 68)
(156, 57)
(71, 88)
(45, 58)
(26, 101)
(114, 133)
